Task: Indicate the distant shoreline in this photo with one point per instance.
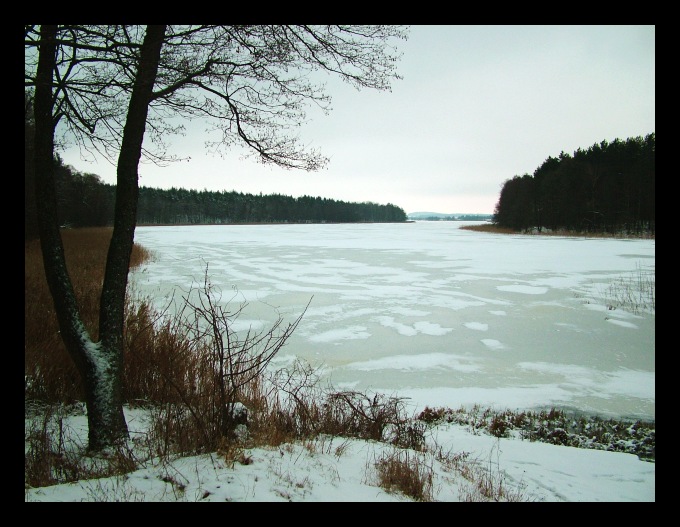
(494, 229)
(272, 223)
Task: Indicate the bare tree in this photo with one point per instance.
(109, 87)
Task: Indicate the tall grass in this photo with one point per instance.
(49, 372)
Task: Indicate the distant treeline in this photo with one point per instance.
(199, 207)
(607, 188)
(85, 201)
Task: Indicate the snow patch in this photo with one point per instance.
(493, 344)
(524, 289)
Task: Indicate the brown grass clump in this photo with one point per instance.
(405, 472)
(489, 227)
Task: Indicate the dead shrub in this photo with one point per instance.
(378, 417)
(201, 369)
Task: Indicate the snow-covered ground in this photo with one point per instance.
(336, 469)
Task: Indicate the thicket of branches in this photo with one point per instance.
(607, 188)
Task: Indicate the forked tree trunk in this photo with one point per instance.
(100, 364)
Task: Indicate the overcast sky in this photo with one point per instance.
(477, 106)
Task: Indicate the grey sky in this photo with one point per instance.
(477, 105)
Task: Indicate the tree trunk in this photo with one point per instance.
(112, 306)
(106, 423)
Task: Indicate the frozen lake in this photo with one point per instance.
(425, 310)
